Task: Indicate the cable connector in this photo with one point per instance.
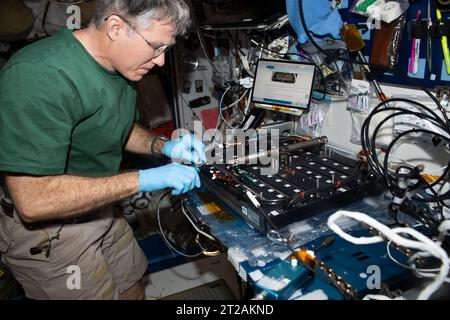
(253, 199)
(260, 296)
(247, 82)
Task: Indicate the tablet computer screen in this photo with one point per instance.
(283, 83)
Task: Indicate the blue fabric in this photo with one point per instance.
(320, 19)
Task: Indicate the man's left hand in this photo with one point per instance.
(186, 149)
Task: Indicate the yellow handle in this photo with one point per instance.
(444, 43)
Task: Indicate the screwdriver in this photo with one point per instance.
(355, 43)
(429, 44)
(444, 42)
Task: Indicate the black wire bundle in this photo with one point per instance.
(369, 142)
(369, 145)
(375, 68)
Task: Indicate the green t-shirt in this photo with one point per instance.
(61, 112)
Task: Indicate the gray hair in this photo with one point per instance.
(138, 11)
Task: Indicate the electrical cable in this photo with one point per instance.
(369, 144)
(194, 225)
(421, 273)
(220, 115)
(263, 200)
(235, 41)
(421, 243)
(375, 163)
(380, 297)
(396, 72)
(205, 250)
(236, 102)
(220, 109)
(166, 241)
(373, 66)
(203, 46)
(281, 239)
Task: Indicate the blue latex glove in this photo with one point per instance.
(176, 176)
(187, 149)
(319, 18)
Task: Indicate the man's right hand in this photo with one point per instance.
(176, 176)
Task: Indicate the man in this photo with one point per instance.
(67, 110)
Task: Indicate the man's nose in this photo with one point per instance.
(159, 60)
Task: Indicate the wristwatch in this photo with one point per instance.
(157, 138)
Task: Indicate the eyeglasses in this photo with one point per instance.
(157, 51)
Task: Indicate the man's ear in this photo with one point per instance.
(113, 26)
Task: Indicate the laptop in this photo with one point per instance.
(239, 14)
(283, 84)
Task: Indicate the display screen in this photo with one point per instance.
(283, 83)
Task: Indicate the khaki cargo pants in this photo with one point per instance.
(95, 259)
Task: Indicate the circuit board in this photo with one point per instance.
(343, 271)
(309, 182)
